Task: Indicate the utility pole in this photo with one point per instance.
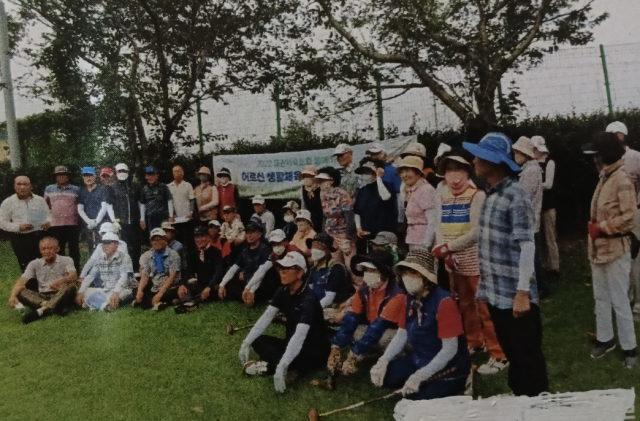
(5, 70)
(607, 85)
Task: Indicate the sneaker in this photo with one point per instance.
(477, 350)
(493, 366)
(602, 348)
(255, 368)
(468, 386)
(31, 316)
(159, 307)
(630, 358)
(18, 306)
(187, 307)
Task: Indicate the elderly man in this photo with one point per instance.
(156, 203)
(94, 202)
(24, 215)
(56, 277)
(350, 180)
(184, 203)
(264, 214)
(62, 199)
(127, 211)
(111, 274)
(159, 274)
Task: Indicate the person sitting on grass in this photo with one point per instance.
(233, 231)
(387, 241)
(327, 277)
(111, 274)
(216, 240)
(438, 364)
(178, 247)
(98, 253)
(306, 344)
(289, 211)
(55, 276)
(159, 274)
(254, 254)
(206, 268)
(265, 277)
(377, 310)
(305, 231)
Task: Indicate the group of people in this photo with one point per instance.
(418, 268)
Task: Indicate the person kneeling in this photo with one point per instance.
(438, 364)
(161, 266)
(112, 270)
(306, 345)
(377, 309)
(56, 277)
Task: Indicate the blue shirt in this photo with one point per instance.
(92, 200)
(391, 176)
(376, 214)
(506, 219)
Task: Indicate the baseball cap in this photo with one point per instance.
(61, 169)
(150, 170)
(342, 149)
(277, 236)
(367, 167)
(157, 232)
(375, 148)
(122, 166)
(200, 230)
(214, 222)
(106, 170)
(229, 208)
(540, 144)
(291, 259)
(88, 171)
(258, 200)
(494, 147)
(109, 237)
(167, 225)
(385, 237)
(617, 127)
(106, 227)
(253, 226)
(291, 205)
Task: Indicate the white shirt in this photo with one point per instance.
(15, 212)
(182, 196)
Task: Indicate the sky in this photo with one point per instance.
(621, 28)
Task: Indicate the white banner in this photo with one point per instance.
(276, 176)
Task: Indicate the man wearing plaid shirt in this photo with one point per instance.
(506, 252)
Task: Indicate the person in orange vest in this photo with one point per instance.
(227, 191)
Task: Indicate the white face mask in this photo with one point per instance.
(288, 218)
(413, 285)
(279, 250)
(317, 254)
(372, 279)
(224, 181)
(122, 176)
(368, 178)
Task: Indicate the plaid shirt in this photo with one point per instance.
(113, 273)
(506, 220)
(172, 263)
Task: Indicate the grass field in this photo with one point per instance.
(134, 365)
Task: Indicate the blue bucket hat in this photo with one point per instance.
(494, 147)
(88, 170)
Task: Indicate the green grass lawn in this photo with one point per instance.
(134, 365)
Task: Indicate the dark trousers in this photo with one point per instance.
(154, 221)
(131, 235)
(147, 296)
(55, 300)
(184, 234)
(270, 283)
(271, 350)
(68, 235)
(91, 237)
(400, 369)
(521, 341)
(26, 247)
(541, 279)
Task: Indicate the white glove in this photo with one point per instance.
(378, 372)
(92, 224)
(411, 386)
(244, 353)
(346, 247)
(279, 379)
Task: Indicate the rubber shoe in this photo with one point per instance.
(159, 307)
(31, 316)
(255, 368)
(477, 350)
(630, 358)
(602, 348)
(493, 366)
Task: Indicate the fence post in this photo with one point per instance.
(376, 74)
(199, 112)
(606, 79)
(10, 111)
(276, 97)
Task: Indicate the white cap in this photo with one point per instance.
(417, 149)
(368, 265)
(291, 259)
(276, 236)
(323, 176)
(106, 227)
(375, 148)
(342, 149)
(525, 146)
(540, 144)
(122, 166)
(304, 214)
(258, 200)
(214, 222)
(617, 127)
(157, 232)
(109, 237)
(443, 148)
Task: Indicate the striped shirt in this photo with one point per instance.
(63, 202)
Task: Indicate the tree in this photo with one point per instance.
(145, 63)
(458, 49)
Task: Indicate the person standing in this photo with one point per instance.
(228, 194)
(126, 208)
(609, 245)
(25, 216)
(206, 197)
(93, 206)
(506, 252)
(420, 210)
(62, 198)
(156, 202)
(347, 168)
(106, 176)
(376, 151)
(183, 206)
(311, 196)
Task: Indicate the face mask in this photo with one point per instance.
(278, 250)
(122, 176)
(368, 178)
(317, 254)
(372, 279)
(288, 218)
(457, 180)
(307, 182)
(412, 285)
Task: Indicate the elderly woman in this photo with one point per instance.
(310, 196)
(612, 220)
(289, 211)
(438, 364)
(206, 195)
(420, 207)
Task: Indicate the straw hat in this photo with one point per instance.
(422, 262)
(411, 161)
(525, 146)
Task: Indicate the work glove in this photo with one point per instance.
(334, 363)
(378, 372)
(243, 354)
(412, 385)
(441, 252)
(92, 224)
(349, 366)
(279, 381)
(594, 230)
